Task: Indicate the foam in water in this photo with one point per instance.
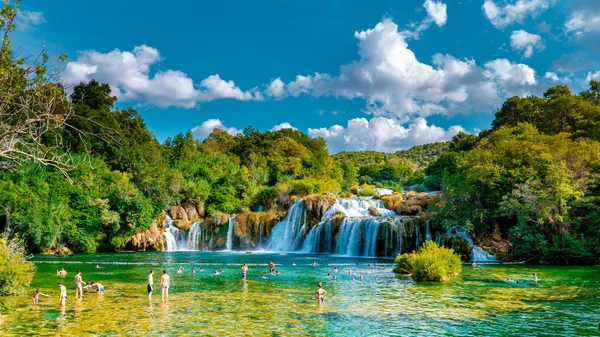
(477, 254)
(229, 244)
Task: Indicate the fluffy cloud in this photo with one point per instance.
(503, 16)
(128, 74)
(282, 126)
(395, 83)
(521, 40)
(382, 134)
(27, 19)
(276, 88)
(436, 11)
(583, 22)
(592, 76)
(204, 130)
(552, 76)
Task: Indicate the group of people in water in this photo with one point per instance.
(508, 279)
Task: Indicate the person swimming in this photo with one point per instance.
(474, 264)
(328, 275)
(320, 294)
(277, 273)
(361, 277)
(293, 264)
(36, 296)
(263, 276)
(97, 266)
(180, 270)
(62, 272)
(314, 264)
(335, 270)
(216, 272)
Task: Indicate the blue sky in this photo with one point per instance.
(382, 75)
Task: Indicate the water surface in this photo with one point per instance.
(566, 302)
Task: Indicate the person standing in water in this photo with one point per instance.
(271, 267)
(150, 283)
(320, 294)
(535, 278)
(165, 283)
(78, 284)
(36, 296)
(63, 294)
(244, 271)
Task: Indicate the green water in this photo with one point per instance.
(566, 302)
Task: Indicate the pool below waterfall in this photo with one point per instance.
(480, 302)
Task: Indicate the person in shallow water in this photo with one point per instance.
(62, 272)
(36, 296)
(63, 294)
(263, 276)
(165, 283)
(474, 264)
(335, 270)
(217, 272)
(78, 284)
(193, 271)
(150, 283)
(320, 294)
(535, 278)
(93, 285)
(293, 264)
(271, 267)
(314, 264)
(244, 271)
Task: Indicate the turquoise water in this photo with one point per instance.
(566, 302)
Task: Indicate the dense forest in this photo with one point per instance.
(77, 172)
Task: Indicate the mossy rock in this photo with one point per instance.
(461, 246)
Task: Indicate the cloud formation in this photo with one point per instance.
(502, 16)
(526, 42)
(395, 83)
(27, 19)
(129, 75)
(382, 134)
(581, 22)
(282, 126)
(204, 130)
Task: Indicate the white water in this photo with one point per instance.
(477, 254)
(384, 191)
(174, 239)
(229, 244)
(427, 232)
(194, 237)
(288, 233)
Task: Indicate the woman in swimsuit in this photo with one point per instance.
(320, 294)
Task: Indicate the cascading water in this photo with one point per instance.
(174, 239)
(194, 237)
(384, 191)
(288, 232)
(427, 231)
(416, 237)
(477, 254)
(229, 244)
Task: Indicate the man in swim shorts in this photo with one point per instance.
(150, 283)
(244, 271)
(78, 284)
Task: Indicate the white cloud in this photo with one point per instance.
(583, 22)
(524, 41)
(395, 83)
(27, 19)
(276, 88)
(436, 11)
(552, 76)
(129, 75)
(282, 126)
(204, 130)
(516, 12)
(592, 76)
(382, 134)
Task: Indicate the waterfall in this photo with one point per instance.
(194, 238)
(417, 237)
(357, 237)
(427, 232)
(288, 232)
(384, 191)
(174, 239)
(260, 230)
(477, 254)
(230, 232)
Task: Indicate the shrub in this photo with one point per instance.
(430, 263)
(16, 272)
(366, 191)
(528, 240)
(567, 250)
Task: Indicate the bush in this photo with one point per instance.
(16, 272)
(430, 263)
(567, 250)
(461, 246)
(528, 240)
(366, 191)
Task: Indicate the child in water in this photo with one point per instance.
(36, 296)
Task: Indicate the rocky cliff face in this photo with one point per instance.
(148, 239)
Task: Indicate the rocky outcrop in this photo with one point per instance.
(494, 244)
(317, 205)
(186, 214)
(148, 239)
(410, 203)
